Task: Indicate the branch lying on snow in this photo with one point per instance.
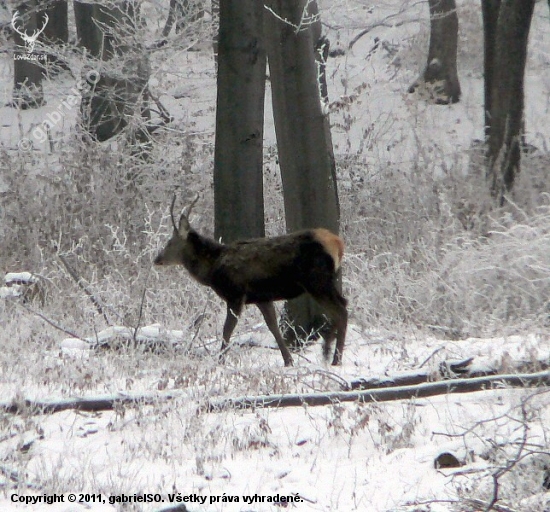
(90, 404)
(149, 337)
(447, 370)
(290, 400)
(383, 395)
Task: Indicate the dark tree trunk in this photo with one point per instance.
(88, 34)
(490, 10)
(27, 76)
(507, 95)
(238, 157)
(303, 138)
(56, 32)
(118, 95)
(182, 13)
(440, 74)
(57, 29)
(172, 15)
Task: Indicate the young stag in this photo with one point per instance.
(263, 270)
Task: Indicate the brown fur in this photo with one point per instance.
(260, 271)
(332, 243)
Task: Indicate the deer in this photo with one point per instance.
(263, 270)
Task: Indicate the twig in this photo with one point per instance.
(51, 322)
(140, 316)
(477, 504)
(511, 463)
(84, 288)
(382, 23)
(305, 19)
(163, 111)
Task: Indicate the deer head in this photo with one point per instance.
(173, 253)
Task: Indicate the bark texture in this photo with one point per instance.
(122, 66)
(440, 75)
(303, 139)
(506, 96)
(238, 155)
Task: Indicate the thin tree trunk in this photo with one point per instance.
(238, 155)
(57, 28)
(507, 95)
(490, 10)
(87, 32)
(441, 69)
(56, 32)
(182, 12)
(303, 139)
(170, 19)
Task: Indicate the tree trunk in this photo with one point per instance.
(172, 15)
(321, 46)
(303, 139)
(27, 76)
(182, 13)
(441, 72)
(118, 95)
(490, 10)
(238, 156)
(87, 32)
(507, 95)
(57, 28)
(56, 32)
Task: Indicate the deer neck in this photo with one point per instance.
(201, 256)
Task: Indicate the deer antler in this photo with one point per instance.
(172, 213)
(192, 204)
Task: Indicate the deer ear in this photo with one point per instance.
(184, 226)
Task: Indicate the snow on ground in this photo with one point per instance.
(365, 457)
(344, 457)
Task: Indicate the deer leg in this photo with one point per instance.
(268, 311)
(335, 306)
(231, 319)
(329, 338)
(342, 325)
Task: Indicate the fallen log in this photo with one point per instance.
(90, 404)
(385, 394)
(109, 402)
(447, 370)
